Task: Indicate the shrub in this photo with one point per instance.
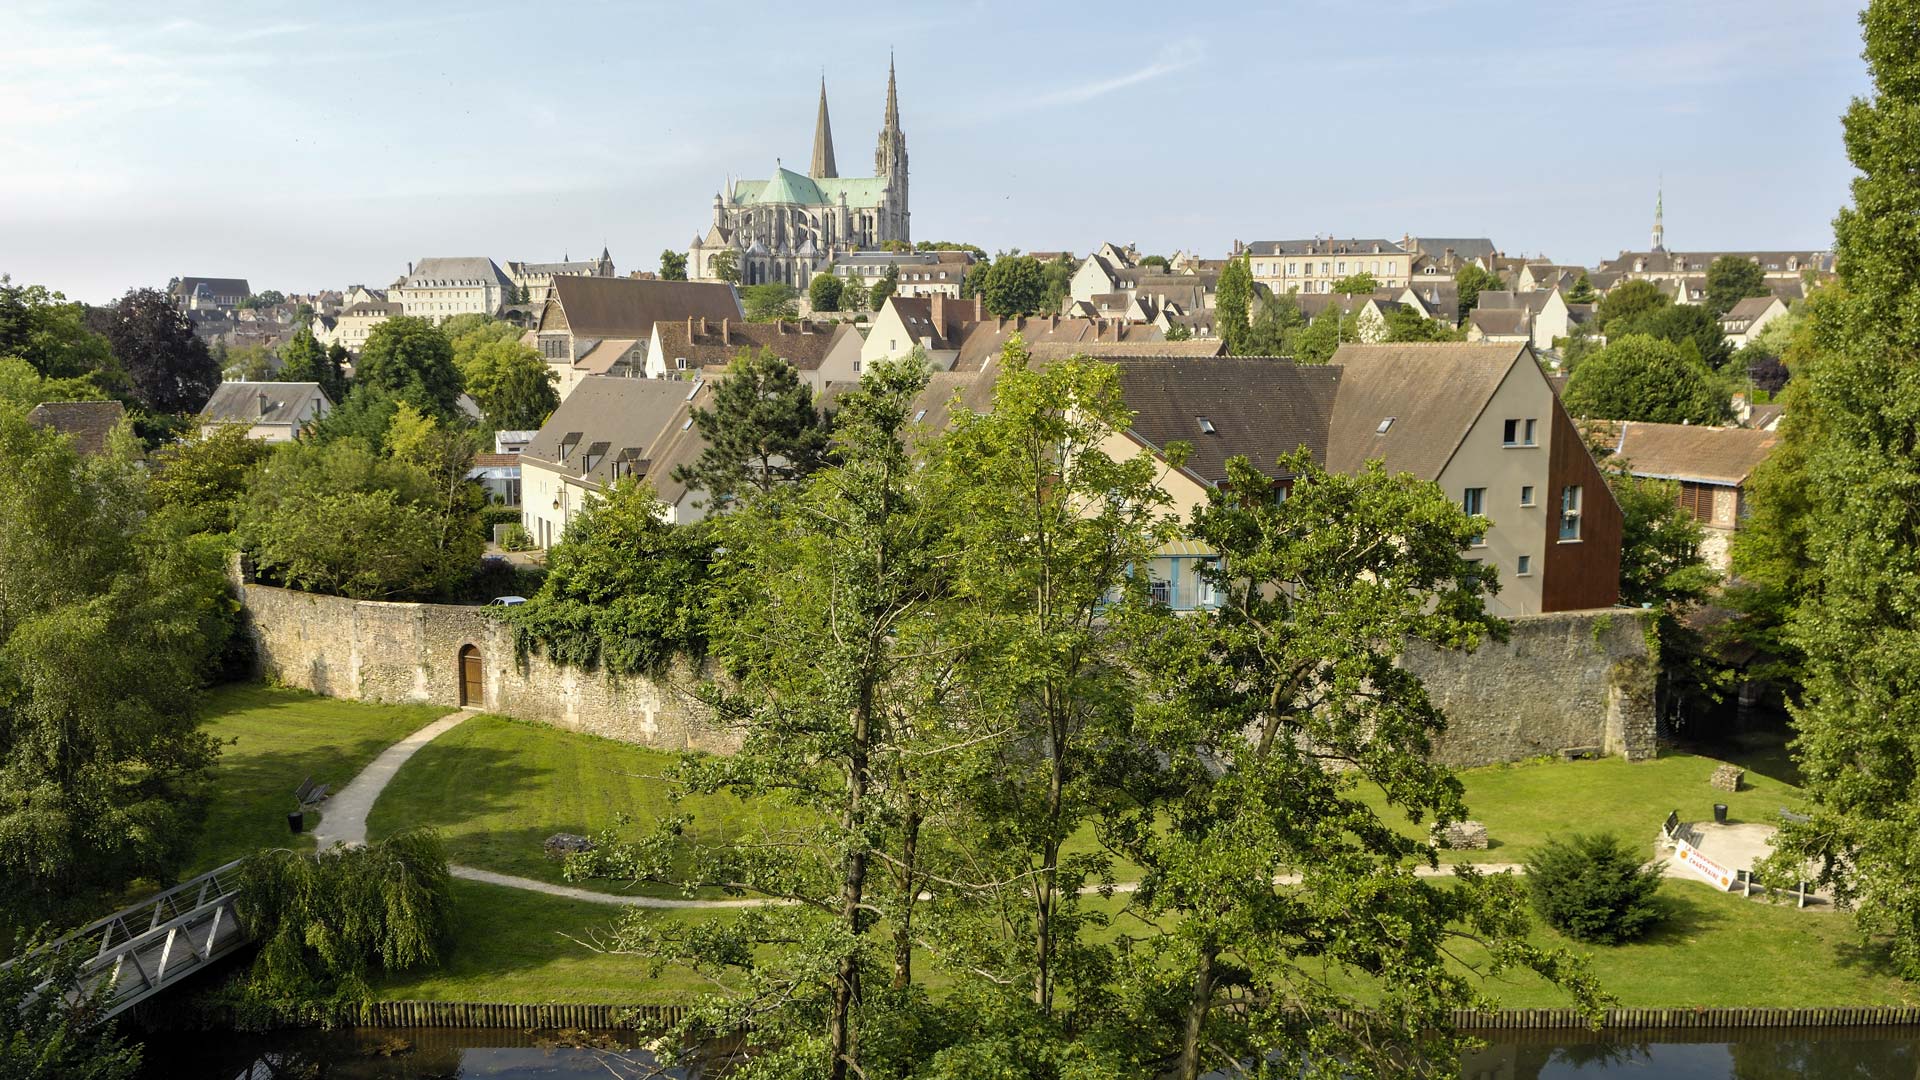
(1594, 888)
(515, 538)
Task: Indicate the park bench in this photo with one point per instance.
(1791, 818)
(309, 793)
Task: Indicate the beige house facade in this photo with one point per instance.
(1312, 266)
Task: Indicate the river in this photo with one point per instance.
(442, 1054)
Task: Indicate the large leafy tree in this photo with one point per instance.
(1016, 285)
(1644, 378)
(767, 303)
(51, 332)
(725, 266)
(1275, 327)
(203, 477)
(1629, 299)
(411, 359)
(108, 622)
(1233, 305)
(1358, 284)
(1731, 279)
(54, 1026)
(625, 589)
(510, 382)
(1471, 281)
(1266, 720)
(824, 292)
(336, 517)
(1859, 718)
(673, 265)
(169, 369)
(762, 431)
(1683, 324)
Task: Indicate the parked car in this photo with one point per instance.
(506, 601)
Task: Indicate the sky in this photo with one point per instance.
(307, 146)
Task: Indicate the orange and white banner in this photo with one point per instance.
(1712, 871)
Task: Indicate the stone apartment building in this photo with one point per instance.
(209, 293)
(438, 289)
(1312, 266)
(534, 281)
(921, 273)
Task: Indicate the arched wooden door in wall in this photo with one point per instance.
(472, 685)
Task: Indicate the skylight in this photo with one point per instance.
(1206, 426)
(1384, 425)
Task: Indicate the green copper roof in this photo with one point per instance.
(788, 186)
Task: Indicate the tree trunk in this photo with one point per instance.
(1197, 1015)
(1043, 943)
(903, 928)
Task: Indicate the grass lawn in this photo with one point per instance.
(272, 740)
(1523, 804)
(497, 788)
(514, 946)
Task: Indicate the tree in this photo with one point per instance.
(673, 265)
(725, 265)
(1660, 561)
(1057, 278)
(1680, 324)
(54, 1028)
(303, 359)
(335, 517)
(1158, 262)
(1016, 285)
(1471, 281)
(824, 292)
(1592, 887)
(975, 283)
(365, 414)
(203, 477)
(1731, 279)
(511, 382)
(762, 431)
(1275, 328)
(248, 363)
(169, 368)
(1643, 378)
(268, 298)
(1628, 299)
(50, 332)
(885, 287)
(1405, 323)
(770, 302)
(626, 591)
(1360, 284)
(823, 594)
(1258, 717)
(109, 619)
(411, 359)
(1233, 304)
(977, 251)
(1177, 332)
(1859, 722)
(21, 385)
(1582, 291)
(1316, 342)
(333, 376)
(1048, 531)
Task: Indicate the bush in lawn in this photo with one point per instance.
(514, 538)
(1594, 888)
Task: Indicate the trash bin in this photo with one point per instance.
(1719, 814)
(296, 821)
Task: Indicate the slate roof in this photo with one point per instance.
(1506, 322)
(460, 270)
(216, 286)
(1706, 455)
(1434, 391)
(1697, 261)
(628, 307)
(262, 402)
(1748, 310)
(1259, 407)
(1122, 350)
(618, 423)
(87, 423)
(1464, 247)
(1325, 246)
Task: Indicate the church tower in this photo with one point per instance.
(822, 140)
(890, 161)
(1659, 227)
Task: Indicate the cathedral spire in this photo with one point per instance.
(893, 98)
(1659, 225)
(890, 157)
(822, 140)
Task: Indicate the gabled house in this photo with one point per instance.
(209, 293)
(934, 324)
(602, 326)
(274, 412)
(1744, 321)
(1710, 465)
(694, 348)
(605, 431)
(87, 423)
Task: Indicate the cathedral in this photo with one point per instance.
(791, 227)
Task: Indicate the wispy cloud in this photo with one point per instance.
(1176, 56)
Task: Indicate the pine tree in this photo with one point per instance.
(761, 432)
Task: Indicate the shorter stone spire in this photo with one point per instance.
(823, 166)
(1659, 223)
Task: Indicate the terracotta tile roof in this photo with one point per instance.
(1119, 350)
(87, 423)
(1432, 392)
(983, 341)
(706, 342)
(495, 459)
(1707, 455)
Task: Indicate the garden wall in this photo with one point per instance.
(1561, 682)
(1564, 681)
(411, 652)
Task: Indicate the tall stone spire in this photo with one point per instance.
(1659, 225)
(822, 140)
(890, 157)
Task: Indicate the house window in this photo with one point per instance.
(680, 363)
(1517, 433)
(1160, 592)
(1570, 512)
(1526, 494)
(1474, 502)
(1523, 567)
(1529, 433)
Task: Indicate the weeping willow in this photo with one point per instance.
(327, 923)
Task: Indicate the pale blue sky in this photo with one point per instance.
(305, 145)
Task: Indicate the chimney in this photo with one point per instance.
(1053, 321)
(263, 403)
(726, 330)
(703, 326)
(689, 329)
(938, 307)
(979, 308)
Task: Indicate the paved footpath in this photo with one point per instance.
(343, 820)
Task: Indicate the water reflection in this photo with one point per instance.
(1812, 1054)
